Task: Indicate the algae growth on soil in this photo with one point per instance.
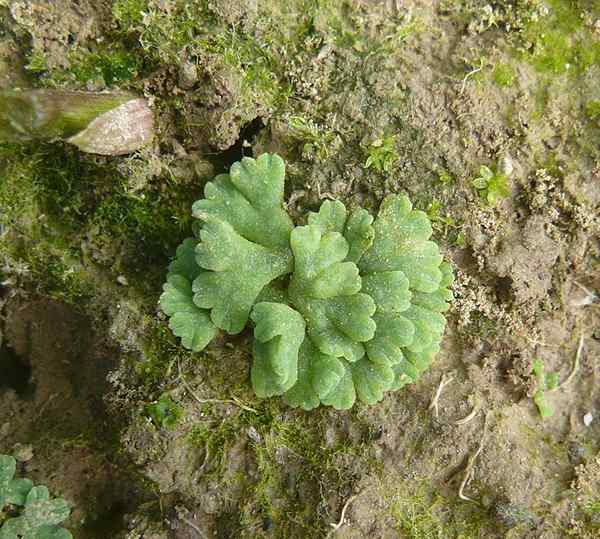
(362, 99)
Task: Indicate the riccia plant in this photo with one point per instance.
(27, 512)
(345, 307)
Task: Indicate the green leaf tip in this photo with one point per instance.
(278, 335)
(12, 491)
(344, 308)
(545, 381)
(187, 321)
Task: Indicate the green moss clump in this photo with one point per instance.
(113, 64)
(295, 471)
(561, 41)
(65, 216)
(504, 75)
(165, 412)
(423, 513)
(592, 109)
(491, 185)
(382, 154)
(129, 13)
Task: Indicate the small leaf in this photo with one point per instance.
(389, 289)
(552, 380)
(37, 495)
(429, 327)
(338, 316)
(187, 321)
(400, 244)
(278, 334)
(239, 270)
(394, 332)
(250, 199)
(40, 518)
(339, 326)
(12, 491)
(331, 217)
(356, 229)
(316, 250)
(165, 412)
(480, 183)
(343, 395)
(492, 198)
(371, 380)
(47, 512)
(177, 295)
(544, 408)
(185, 261)
(318, 375)
(359, 234)
(8, 466)
(337, 280)
(486, 172)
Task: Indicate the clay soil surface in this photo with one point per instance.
(435, 90)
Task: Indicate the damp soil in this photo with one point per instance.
(54, 367)
(85, 353)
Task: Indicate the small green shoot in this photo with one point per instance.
(444, 177)
(440, 221)
(165, 413)
(37, 62)
(492, 186)
(381, 154)
(316, 139)
(460, 241)
(546, 381)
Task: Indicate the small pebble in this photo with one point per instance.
(4, 430)
(254, 435)
(23, 452)
(587, 419)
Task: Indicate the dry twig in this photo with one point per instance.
(569, 378)
(193, 526)
(341, 522)
(234, 401)
(471, 463)
(469, 417)
(434, 401)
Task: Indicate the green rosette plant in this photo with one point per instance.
(345, 307)
(27, 512)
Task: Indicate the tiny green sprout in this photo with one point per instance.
(444, 177)
(546, 381)
(165, 413)
(382, 154)
(37, 62)
(316, 139)
(439, 221)
(26, 511)
(460, 240)
(491, 185)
